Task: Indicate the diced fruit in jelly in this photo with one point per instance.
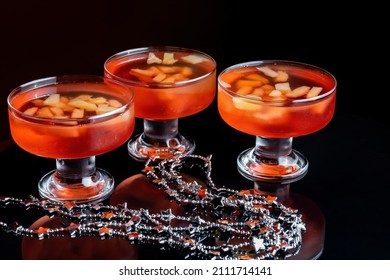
(281, 77)
(298, 92)
(65, 107)
(152, 58)
(268, 71)
(81, 104)
(44, 112)
(77, 113)
(314, 91)
(52, 100)
(168, 58)
(283, 87)
(192, 58)
(270, 114)
(31, 111)
(242, 104)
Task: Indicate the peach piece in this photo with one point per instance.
(143, 72)
(298, 92)
(258, 92)
(159, 77)
(104, 108)
(168, 59)
(38, 102)
(52, 100)
(283, 87)
(268, 71)
(251, 83)
(77, 113)
(44, 112)
(275, 93)
(114, 103)
(268, 88)
(245, 90)
(98, 100)
(82, 104)
(242, 104)
(31, 111)
(57, 111)
(168, 69)
(192, 58)
(314, 91)
(152, 58)
(186, 71)
(281, 77)
(257, 77)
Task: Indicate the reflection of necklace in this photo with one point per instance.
(221, 223)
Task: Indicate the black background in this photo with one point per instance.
(348, 159)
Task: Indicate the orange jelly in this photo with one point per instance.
(168, 82)
(276, 99)
(70, 121)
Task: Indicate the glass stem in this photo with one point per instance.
(161, 132)
(74, 169)
(272, 148)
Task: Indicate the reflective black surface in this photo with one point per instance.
(347, 180)
(348, 160)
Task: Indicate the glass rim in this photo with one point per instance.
(134, 51)
(276, 61)
(68, 79)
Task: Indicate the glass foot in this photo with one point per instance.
(287, 169)
(141, 150)
(89, 189)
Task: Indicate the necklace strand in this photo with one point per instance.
(219, 223)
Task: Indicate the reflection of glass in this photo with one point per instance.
(169, 83)
(275, 101)
(72, 119)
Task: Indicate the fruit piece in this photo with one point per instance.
(242, 104)
(38, 102)
(192, 58)
(57, 111)
(98, 100)
(275, 93)
(168, 59)
(314, 91)
(186, 71)
(31, 111)
(168, 69)
(77, 113)
(168, 79)
(178, 77)
(114, 103)
(298, 92)
(257, 77)
(258, 92)
(281, 77)
(104, 108)
(145, 72)
(159, 77)
(252, 83)
(283, 87)
(245, 90)
(82, 104)
(268, 71)
(268, 88)
(152, 58)
(52, 100)
(44, 112)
